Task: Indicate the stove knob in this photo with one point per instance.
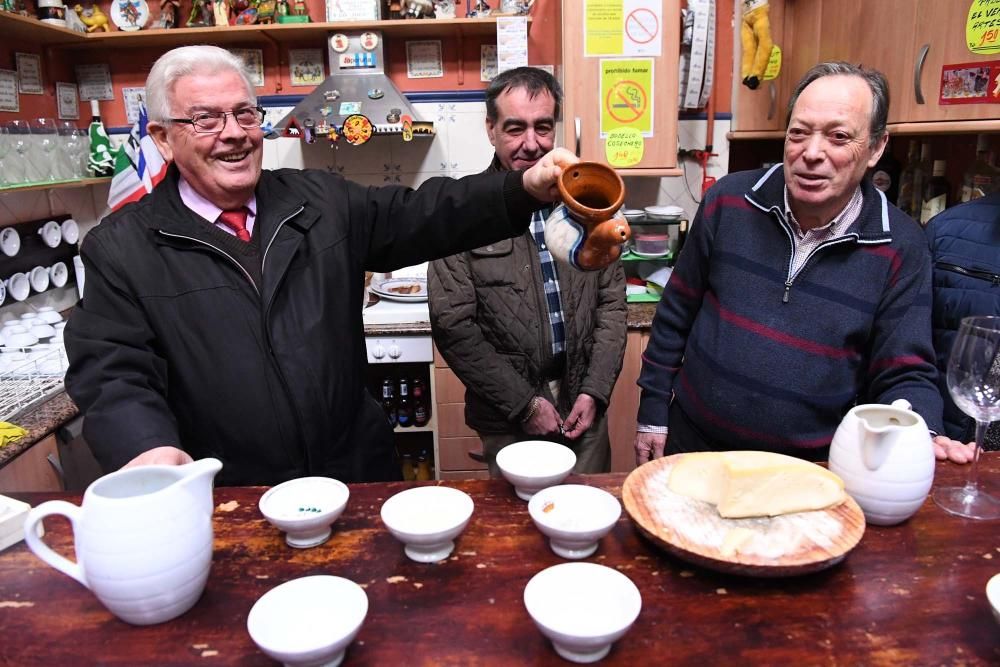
(394, 351)
(378, 351)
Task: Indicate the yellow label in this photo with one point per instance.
(982, 27)
(604, 22)
(773, 64)
(627, 95)
(624, 147)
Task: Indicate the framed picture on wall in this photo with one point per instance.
(353, 10)
(254, 59)
(29, 73)
(305, 67)
(9, 100)
(423, 59)
(66, 101)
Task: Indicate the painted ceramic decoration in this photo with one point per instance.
(129, 15)
(357, 129)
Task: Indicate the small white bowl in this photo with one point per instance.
(993, 595)
(10, 241)
(574, 517)
(48, 315)
(664, 212)
(70, 231)
(427, 519)
(532, 465)
(308, 621)
(18, 286)
(39, 278)
(51, 234)
(304, 509)
(582, 608)
(20, 340)
(59, 274)
(42, 330)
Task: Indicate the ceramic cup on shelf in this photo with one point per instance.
(10, 242)
(39, 278)
(587, 230)
(51, 234)
(58, 274)
(18, 286)
(70, 231)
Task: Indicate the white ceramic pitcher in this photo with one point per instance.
(885, 456)
(143, 539)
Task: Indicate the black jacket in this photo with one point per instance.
(174, 345)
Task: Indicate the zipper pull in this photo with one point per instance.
(788, 286)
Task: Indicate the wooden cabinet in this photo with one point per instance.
(625, 404)
(582, 101)
(35, 469)
(795, 28)
(455, 440)
(940, 28)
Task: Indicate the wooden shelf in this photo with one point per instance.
(54, 185)
(29, 29)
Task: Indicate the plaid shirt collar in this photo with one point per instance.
(551, 282)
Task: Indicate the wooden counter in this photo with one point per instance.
(907, 595)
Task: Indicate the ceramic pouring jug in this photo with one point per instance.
(143, 539)
(586, 230)
(885, 456)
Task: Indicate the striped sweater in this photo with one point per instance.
(759, 361)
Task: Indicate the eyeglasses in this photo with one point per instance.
(213, 122)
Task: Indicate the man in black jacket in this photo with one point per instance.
(222, 314)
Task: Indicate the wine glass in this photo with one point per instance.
(74, 145)
(47, 140)
(19, 135)
(5, 148)
(974, 384)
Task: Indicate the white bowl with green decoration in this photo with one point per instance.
(305, 509)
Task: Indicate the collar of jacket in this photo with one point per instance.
(871, 227)
(274, 206)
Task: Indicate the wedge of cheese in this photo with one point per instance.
(745, 484)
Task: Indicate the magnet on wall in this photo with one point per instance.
(393, 115)
(407, 128)
(376, 94)
(369, 40)
(357, 129)
(309, 131)
(331, 95)
(339, 42)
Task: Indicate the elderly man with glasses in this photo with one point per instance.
(222, 314)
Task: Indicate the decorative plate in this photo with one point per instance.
(129, 15)
(402, 289)
(778, 546)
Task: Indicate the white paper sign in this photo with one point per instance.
(254, 59)
(643, 28)
(94, 82)
(29, 73)
(132, 98)
(512, 42)
(352, 10)
(66, 101)
(423, 59)
(9, 100)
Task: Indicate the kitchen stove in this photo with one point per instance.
(395, 312)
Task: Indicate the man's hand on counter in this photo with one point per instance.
(169, 456)
(541, 178)
(952, 450)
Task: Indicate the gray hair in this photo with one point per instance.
(185, 61)
(876, 82)
(532, 79)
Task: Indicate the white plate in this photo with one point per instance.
(51, 234)
(129, 15)
(10, 241)
(70, 231)
(385, 289)
(643, 255)
(664, 212)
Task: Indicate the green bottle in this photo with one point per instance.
(102, 161)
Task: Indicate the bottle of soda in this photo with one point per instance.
(389, 401)
(404, 408)
(421, 405)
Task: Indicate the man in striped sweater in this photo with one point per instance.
(800, 292)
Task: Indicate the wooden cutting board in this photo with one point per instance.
(762, 547)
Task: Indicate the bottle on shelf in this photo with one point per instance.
(423, 467)
(404, 407)
(101, 162)
(920, 178)
(409, 471)
(937, 193)
(981, 178)
(885, 175)
(389, 401)
(904, 199)
(421, 406)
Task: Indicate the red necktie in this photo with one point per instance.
(236, 221)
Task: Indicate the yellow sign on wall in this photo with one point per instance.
(603, 25)
(627, 95)
(624, 147)
(982, 28)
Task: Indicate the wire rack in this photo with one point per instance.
(29, 377)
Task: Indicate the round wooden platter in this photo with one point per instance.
(779, 546)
